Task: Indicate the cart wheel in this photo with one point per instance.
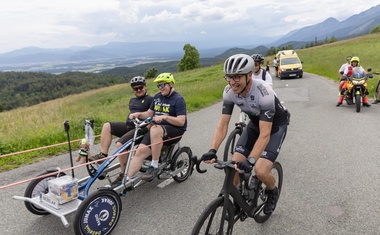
(98, 213)
(36, 187)
(182, 158)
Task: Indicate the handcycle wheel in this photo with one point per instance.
(98, 213)
(36, 187)
(182, 158)
(210, 219)
(229, 149)
(376, 91)
(261, 196)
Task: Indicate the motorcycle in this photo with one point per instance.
(356, 88)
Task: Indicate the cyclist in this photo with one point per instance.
(258, 72)
(262, 139)
(124, 130)
(343, 81)
(357, 72)
(169, 111)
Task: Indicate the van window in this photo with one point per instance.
(290, 60)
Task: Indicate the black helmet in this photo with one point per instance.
(258, 58)
(138, 80)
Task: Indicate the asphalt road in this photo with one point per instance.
(330, 164)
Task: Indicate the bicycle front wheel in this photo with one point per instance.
(232, 139)
(210, 220)
(261, 196)
(376, 94)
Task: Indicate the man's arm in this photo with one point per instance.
(142, 115)
(221, 131)
(176, 121)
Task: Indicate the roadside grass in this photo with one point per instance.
(42, 124)
(326, 60)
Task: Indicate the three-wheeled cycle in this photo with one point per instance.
(54, 192)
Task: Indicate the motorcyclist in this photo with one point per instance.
(357, 72)
(343, 81)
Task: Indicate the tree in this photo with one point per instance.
(190, 59)
(375, 29)
(151, 73)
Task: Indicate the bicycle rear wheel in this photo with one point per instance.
(210, 219)
(232, 139)
(376, 95)
(261, 196)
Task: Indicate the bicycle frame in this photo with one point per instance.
(103, 168)
(230, 189)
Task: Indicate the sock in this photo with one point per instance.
(154, 163)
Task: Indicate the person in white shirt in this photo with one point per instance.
(260, 73)
(343, 81)
(275, 65)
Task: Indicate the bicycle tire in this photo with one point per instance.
(211, 217)
(260, 196)
(229, 148)
(99, 213)
(182, 158)
(36, 187)
(376, 91)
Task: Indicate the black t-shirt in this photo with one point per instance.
(138, 104)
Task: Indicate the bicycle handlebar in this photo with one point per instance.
(219, 164)
(141, 124)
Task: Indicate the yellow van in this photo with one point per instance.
(289, 65)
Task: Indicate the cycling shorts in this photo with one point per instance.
(250, 135)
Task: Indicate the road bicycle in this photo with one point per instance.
(233, 137)
(99, 212)
(220, 215)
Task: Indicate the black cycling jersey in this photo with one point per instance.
(138, 104)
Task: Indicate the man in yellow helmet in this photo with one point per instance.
(169, 112)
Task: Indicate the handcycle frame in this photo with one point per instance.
(247, 198)
(110, 195)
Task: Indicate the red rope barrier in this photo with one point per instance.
(39, 148)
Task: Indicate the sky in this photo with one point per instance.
(66, 23)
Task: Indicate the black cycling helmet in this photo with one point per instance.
(239, 64)
(138, 80)
(258, 58)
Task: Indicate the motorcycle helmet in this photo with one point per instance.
(138, 80)
(355, 58)
(165, 77)
(239, 64)
(258, 58)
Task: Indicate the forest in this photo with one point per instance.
(21, 89)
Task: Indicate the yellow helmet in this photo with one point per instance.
(355, 58)
(165, 77)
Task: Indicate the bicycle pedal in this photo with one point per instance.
(243, 216)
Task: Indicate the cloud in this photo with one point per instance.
(64, 23)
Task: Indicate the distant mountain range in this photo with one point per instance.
(353, 26)
(114, 54)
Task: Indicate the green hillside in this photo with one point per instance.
(42, 124)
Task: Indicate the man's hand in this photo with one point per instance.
(245, 166)
(210, 156)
